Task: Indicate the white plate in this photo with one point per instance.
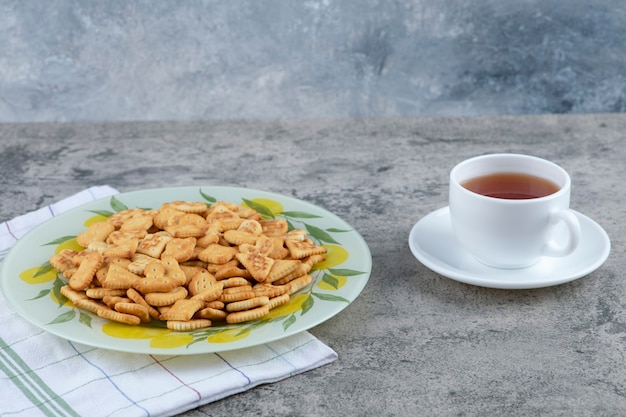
(432, 242)
(29, 284)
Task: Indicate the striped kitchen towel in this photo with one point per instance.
(45, 375)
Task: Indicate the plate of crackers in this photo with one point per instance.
(186, 270)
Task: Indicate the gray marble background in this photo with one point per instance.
(72, 60)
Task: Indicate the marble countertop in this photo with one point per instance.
(414, 342)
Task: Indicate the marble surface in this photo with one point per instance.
(72, 60)
(414, 342)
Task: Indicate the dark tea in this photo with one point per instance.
(511, 186)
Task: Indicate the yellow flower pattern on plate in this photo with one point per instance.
(328, 278)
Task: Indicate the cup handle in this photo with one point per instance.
(573, 228)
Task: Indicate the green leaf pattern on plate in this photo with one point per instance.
(222, 333)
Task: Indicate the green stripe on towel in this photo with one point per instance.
(33, 387)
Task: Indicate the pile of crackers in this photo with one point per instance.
(188, 263)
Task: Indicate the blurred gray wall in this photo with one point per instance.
(66, 60)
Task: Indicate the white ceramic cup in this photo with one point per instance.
(510, 233)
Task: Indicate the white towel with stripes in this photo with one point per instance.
(41, 374)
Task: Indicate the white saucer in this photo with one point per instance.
(433, 244)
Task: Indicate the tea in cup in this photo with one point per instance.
(505, 209)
